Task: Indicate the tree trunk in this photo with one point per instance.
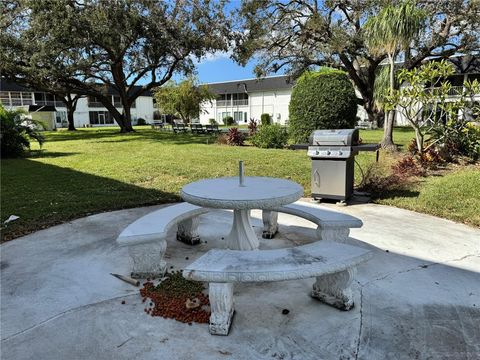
(375, 116)
(127, 118)
(71, 124)
(387, 141)
(71, 105)
(419, 140)
(117, 116)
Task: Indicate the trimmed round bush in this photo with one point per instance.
(270, 137)
(228, 120)
(265, 119)
(324, 99)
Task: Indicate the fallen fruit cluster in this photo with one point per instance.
(168, 299)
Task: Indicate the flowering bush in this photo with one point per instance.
(252, 127)
(235, 137)
(408, 166)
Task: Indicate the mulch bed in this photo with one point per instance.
(172, 297)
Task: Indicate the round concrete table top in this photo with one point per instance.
(256, 193)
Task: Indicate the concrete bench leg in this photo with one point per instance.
(270, 224)
(221, 305)
(148, 259)
(335, 234)
(188, 231)
(334, 289)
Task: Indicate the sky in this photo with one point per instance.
(221, 68)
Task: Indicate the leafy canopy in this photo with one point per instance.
(183, 99)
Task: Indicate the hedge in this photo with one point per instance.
(324, 99)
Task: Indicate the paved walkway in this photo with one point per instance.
(418, 298)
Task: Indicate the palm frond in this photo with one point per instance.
(394, 27)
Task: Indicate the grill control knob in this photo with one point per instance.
(340, 153)
(328, 152)
(317, 152)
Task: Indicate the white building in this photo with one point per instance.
(51, 110)
(249, 98)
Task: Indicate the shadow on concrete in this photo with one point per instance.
(407, 307)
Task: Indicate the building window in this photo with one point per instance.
(117, 101)
(240, 99)
(100, 118)
(240, 116)
(94, 102)
(61, 117)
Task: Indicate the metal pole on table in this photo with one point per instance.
(240, 172)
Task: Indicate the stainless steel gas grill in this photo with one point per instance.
(333, 156)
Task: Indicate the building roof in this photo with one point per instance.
(8, 85)
(252, 85)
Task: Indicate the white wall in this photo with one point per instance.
(274, 103)
(144, 109)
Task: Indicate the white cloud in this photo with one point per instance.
(210, 57)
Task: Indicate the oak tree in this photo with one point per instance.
(293, 35)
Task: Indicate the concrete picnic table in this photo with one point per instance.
(241, 196)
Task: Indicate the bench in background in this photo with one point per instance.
(332, 225)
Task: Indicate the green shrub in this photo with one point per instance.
(16, 133)
(228, 120)
(323, 99)
(212, 121)
(270, 137)
(457, 137)
(141, 121)
(265, 119)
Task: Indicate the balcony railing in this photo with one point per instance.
(50, 103)
(95, 104)
(453, 91)
(241, 102)
(224, 102)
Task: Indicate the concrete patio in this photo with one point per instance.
(418, 298)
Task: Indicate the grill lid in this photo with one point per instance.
(337, 137)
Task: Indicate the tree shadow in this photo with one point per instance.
(112, 135)
(43, 195)
(39, 154)
(396, 193)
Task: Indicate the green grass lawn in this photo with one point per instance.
(94, 170)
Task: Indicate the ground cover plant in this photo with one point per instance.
(97, 169)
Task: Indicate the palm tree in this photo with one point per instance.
(389, 32)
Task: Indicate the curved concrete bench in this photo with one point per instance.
(332, 225)
(333, 264)
(146, 237)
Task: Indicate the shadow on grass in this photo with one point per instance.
(43, 195)
(39, 154)
(112, 135)
(390, 194)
